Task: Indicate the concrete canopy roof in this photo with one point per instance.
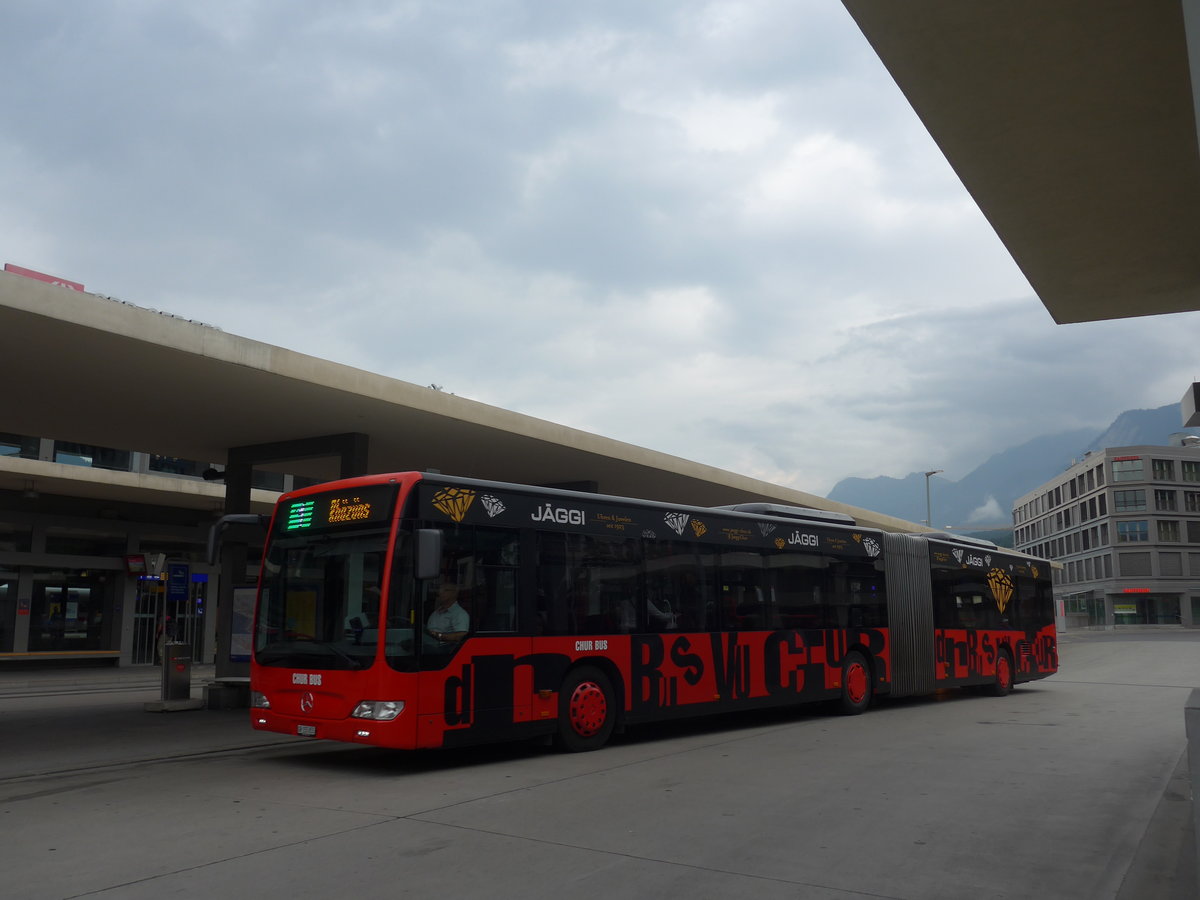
(1073, 124)
(102, 372)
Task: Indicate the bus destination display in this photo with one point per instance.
(365, 506)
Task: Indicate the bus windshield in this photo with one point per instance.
(320, 600)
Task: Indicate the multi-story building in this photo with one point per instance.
(1124, 523)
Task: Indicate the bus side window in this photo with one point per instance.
(747, 599)
(554, 583)
(489, 575)
(675, 587)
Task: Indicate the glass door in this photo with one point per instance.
(67, 612)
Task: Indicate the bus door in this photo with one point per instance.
(482, 684)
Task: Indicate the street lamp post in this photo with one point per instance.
(928, 505)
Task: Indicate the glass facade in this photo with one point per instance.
(1146, 609)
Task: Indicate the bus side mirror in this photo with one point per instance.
(429, 553)
(218, 528)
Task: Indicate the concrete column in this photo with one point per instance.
(1192, 723)
(233, 569)
(21, 625)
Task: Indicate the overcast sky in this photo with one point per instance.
(713, 229)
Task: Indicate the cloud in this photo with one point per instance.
(712, 229)
(987, 512)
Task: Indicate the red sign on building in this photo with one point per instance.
(42, 276)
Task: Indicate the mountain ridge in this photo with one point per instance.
(983, 498)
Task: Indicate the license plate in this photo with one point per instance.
(306, 730)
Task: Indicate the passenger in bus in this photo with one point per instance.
(661, 615)
(449, 622)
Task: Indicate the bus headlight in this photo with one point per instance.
(258, 700)
(379, 710)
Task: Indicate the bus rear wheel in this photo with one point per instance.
(856, 684)
(586, 710)
(1003, 682)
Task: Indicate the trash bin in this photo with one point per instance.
(177, 672)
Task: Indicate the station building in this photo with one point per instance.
(135, 430)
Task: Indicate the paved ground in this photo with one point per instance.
(1074, 787)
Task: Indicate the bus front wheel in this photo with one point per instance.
(587, 712)
(856, 684)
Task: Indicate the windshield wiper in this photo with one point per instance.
(308, 651)
(353, 660)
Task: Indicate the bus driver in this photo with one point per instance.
(449, 622)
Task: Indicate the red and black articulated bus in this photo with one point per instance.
(421, 610)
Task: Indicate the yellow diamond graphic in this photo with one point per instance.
(1002, 587)
(454, 502)
(699, 528)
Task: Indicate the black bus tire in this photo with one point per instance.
(587, 712)
(856, 684)
(1003, 682)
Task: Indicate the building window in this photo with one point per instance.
(1104, 504)
(1168, 530)
(1133, 532)
(1170, 564)
(173, 465)
(1129, 501)
(19, 445)
(82, 542)
(1134, 564)
(73, 454)
(14, 539)
(1193, 531)
(1127, 470)
(1190, 470)
(1165, 501)
(1163, 469)
(1076, 604)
